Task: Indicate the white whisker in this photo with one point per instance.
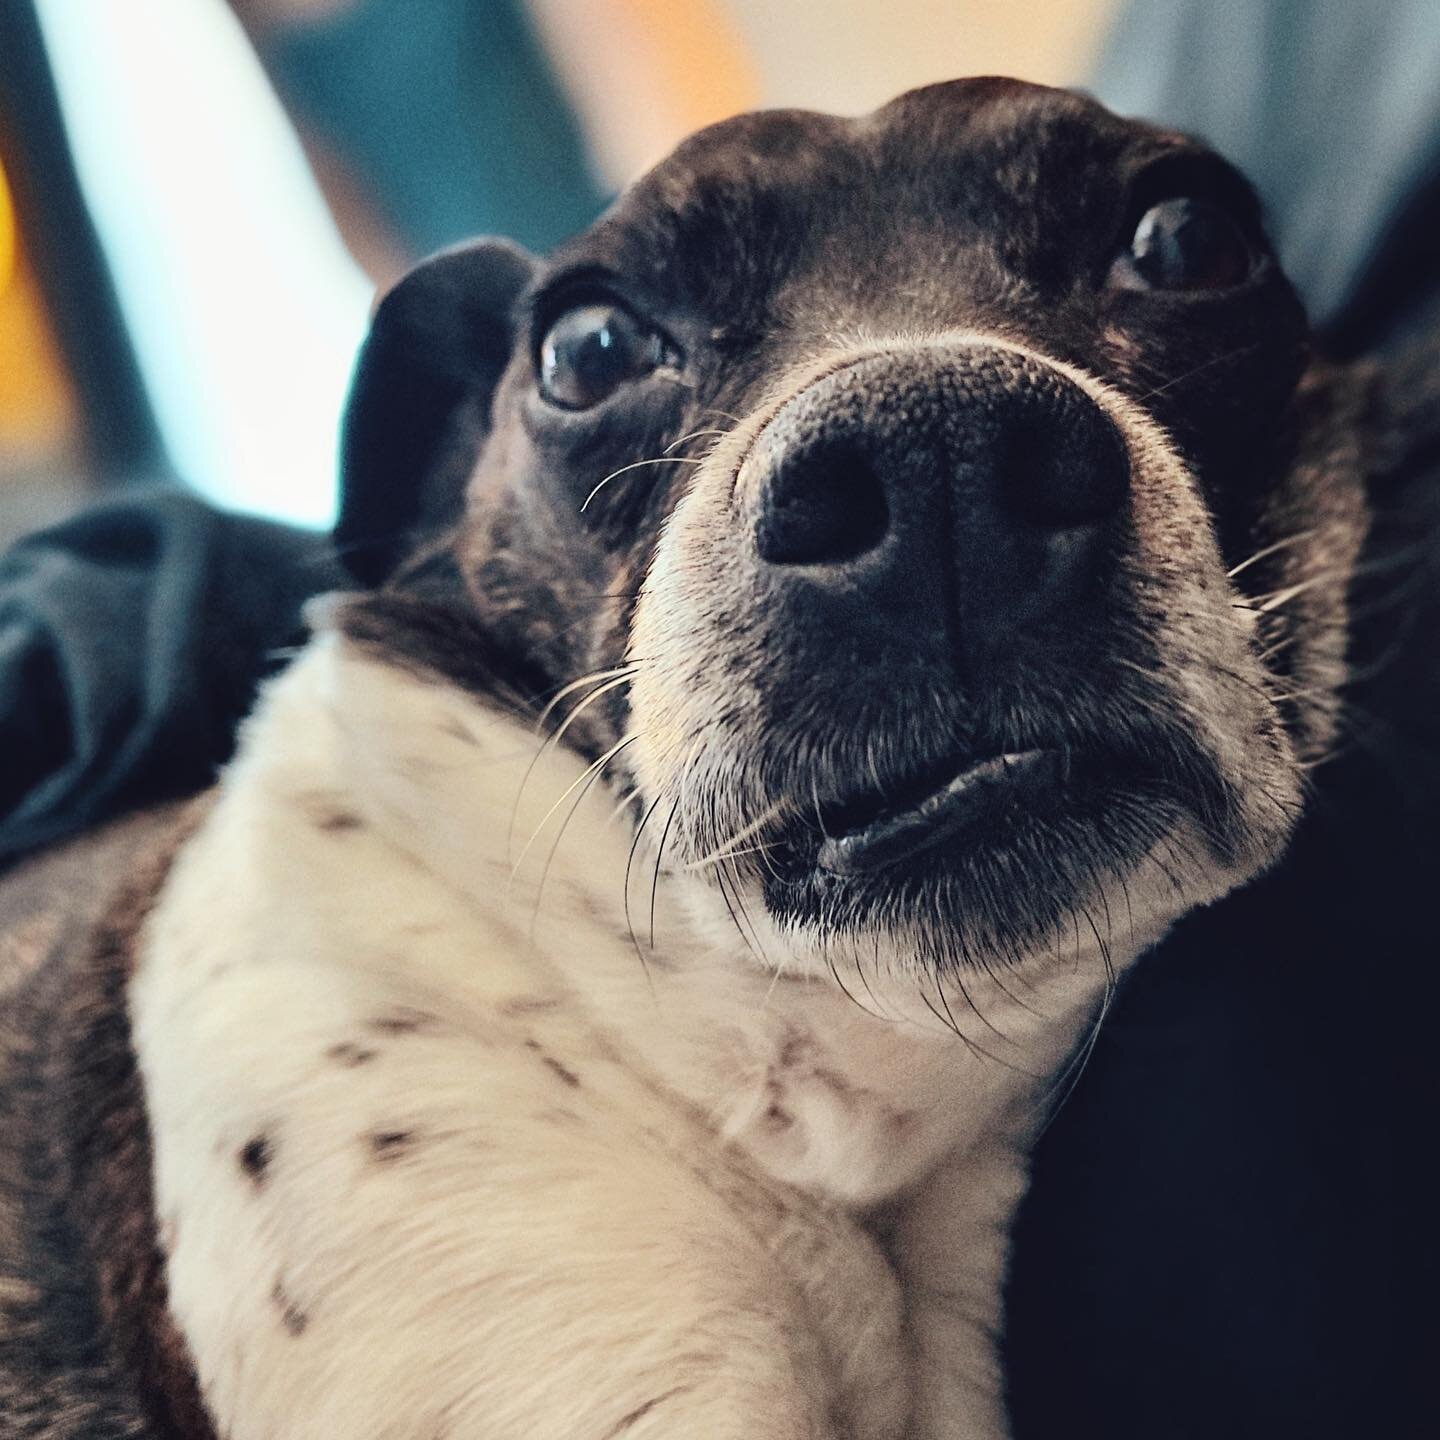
(570, 789)
(1269, 550)
(636, 465)
(575, 685)
(724, 849)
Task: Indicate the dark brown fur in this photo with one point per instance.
(87, 1347)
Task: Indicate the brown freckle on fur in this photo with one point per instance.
(451, 727)
(169, 1232)
(255, 1157)
(391, 1144)
(523, 1005)
(327, 812)
(629, 1421)
(563, 1071)
(349, 1054)
(333, 821)
(775, 1115)
(403, 1020)
(792, 1049)
(551, 1063)
(415, 768)
(292, 1317)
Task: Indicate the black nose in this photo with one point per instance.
(968, 489)
(823, 505)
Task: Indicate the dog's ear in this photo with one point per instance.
(419, 404)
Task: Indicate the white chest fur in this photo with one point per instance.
(437, 1154)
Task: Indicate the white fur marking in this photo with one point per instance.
(550, 1196)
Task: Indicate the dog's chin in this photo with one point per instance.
(996, 861)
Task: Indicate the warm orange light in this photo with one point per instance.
(37, 408)
(7, 234)
(704, 65)
(645, 73)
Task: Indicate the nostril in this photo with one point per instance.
(822, 506)
(1064, 468)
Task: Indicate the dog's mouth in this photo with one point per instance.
(992, 847)
(971, 807)
(947, 803)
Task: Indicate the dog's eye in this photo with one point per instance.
(592, 350)
(1187, 245)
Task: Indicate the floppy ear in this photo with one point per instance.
(419, 404)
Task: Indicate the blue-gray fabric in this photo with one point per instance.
(1331, 107)
(448, 113)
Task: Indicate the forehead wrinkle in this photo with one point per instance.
(735, 227)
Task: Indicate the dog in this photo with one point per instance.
(818, 630)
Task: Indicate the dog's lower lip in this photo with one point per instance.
(957, 805)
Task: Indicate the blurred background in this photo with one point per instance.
(200, 198)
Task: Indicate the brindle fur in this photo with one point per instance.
(86, 1345)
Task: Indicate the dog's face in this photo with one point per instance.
(882, 479)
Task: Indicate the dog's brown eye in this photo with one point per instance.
(1186, 245)
(592, 350)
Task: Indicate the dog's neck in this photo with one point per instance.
(850, 1086)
